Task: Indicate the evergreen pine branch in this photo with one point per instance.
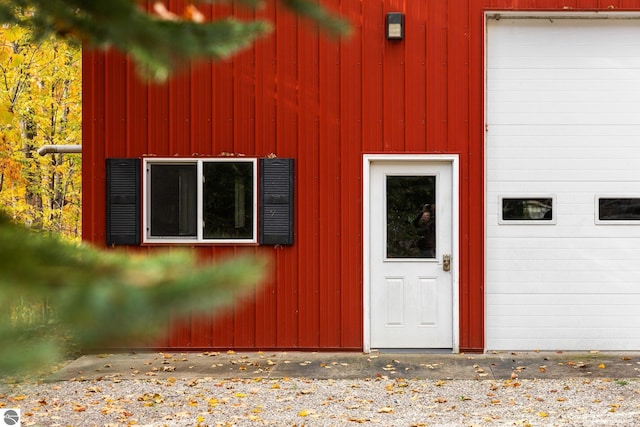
(100, 298)
(158, 46)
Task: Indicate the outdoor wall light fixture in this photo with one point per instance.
(395, 26)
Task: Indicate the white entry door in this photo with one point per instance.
(410, 238)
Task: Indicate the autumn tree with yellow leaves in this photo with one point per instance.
(40, 106)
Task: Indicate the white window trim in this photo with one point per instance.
(554, 213)
(599, 221)
(199, 239)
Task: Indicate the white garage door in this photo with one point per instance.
(563, 184)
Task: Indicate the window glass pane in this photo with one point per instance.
(411, 221)
(527, 209)
(173, 200)
(228, 200)
(619, 209)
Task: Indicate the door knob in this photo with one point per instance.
(446, 262)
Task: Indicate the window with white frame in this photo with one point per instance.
(617, 209)
(200, 200)
(526, 209)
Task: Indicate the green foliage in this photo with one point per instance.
(95, 298)
(158, 43)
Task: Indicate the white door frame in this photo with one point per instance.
(367, 160)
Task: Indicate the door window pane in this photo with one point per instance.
(411, 216)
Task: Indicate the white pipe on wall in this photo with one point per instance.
(50, 148)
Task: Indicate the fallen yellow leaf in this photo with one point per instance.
(602, 366)
(386, 410)
(543, 414)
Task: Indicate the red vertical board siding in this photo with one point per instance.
(115, 108)
(307, 222)
(180, 113)
(351, 312)
(244, 143)
(93, 123)
(470, 144)
(373, 39)
(458, 142)
(265, 144)
(286, 139)
(201, 109)
(437, 44)
(158, 123)
(324, 103)
(395, 88)
(329, 212)
(416, 76)
(137, 118)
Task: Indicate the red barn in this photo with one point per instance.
(459, 175)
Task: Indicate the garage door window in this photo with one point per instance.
(617, 210)
(526, 210)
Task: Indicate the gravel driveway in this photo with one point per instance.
(296, 402)
(165, 397)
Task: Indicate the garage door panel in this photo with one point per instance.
(544, 175)
(563, 121)
(578, 287)
(592, 275)
(574, 119)
(591, 150)
(574, 85)
(539, 299)
(503, 311)
(586, 270)
(584, 93)
(542, 75)
(553, 104)
(577, 60)
(630, 130)
(557, 166)
(576, 323)
(560, 231)
(552, 344)
(566, 246)
(628, 258)
(573, 332)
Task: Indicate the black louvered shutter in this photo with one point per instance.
(276, 201)
(123, 202)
